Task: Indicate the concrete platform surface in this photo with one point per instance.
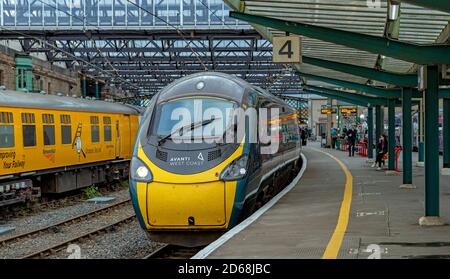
(383, 221)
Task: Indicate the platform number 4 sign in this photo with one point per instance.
(287, 49)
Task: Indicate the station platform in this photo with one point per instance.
(342, 208)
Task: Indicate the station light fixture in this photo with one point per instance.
(394, 10)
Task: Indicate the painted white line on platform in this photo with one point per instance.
(205, 252)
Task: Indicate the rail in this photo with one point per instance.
(61, 245)
(71, 220)
(169, 251)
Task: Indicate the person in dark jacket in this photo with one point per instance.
(382, 149)
(351, 140)
(303, 136)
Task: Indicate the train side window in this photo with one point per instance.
(6, 130)
(95, 129)
(66, 129)
(28, 129)
(107, 135)
(49, 129)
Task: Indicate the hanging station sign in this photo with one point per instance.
(328, 110)
(287, 49)
(347, 110)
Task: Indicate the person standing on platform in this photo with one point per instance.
(303, 137)
(334, 137)
(351, 140)
(382, 149)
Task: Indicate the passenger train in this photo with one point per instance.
(188, 193)
(55, 144)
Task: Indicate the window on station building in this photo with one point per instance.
(37, 83)
(95, 129)
(107, 135)
(28, 129)
(49, 129)
(66, 129)
(6, 130)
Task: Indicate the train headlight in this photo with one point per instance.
(139, 171)
(236, 169)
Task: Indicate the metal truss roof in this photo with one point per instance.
(143, 45)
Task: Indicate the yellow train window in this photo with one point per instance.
(49, 129)
(28, 129)
(107, 134)
(95, 129)
(66, 129)
(6, 131)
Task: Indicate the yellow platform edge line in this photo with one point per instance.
(335, 243)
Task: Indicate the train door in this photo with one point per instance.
(126, 140)
(123, 137)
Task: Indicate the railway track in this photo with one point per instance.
(169, 251)
(54, 227)
(42, 253)
(22, 210)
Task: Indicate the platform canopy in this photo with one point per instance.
(392, 21)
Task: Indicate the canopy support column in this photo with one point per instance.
(407, 138)
(446, 132)
(431, 217)
(420, 162)
(391, 134)
(370, 132)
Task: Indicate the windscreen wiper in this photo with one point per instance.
(190, 127)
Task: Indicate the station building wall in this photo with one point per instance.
(49, 78)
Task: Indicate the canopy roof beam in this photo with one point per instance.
(405, 80)
(379, 92)
(336, 97)
(364, 99)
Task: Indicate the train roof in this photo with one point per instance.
(214, 83)
(12, 98)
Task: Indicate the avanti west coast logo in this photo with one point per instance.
(187, 160)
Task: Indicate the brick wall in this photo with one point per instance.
(7, 69)
(55, 79)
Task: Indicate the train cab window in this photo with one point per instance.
(49, 129)
(107, 136)
(164, 123)
(95, 129)
(6, 130)
(28, 129)
(66, 129)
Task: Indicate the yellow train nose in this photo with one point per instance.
(186, 205)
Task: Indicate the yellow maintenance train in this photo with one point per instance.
(55, 144)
